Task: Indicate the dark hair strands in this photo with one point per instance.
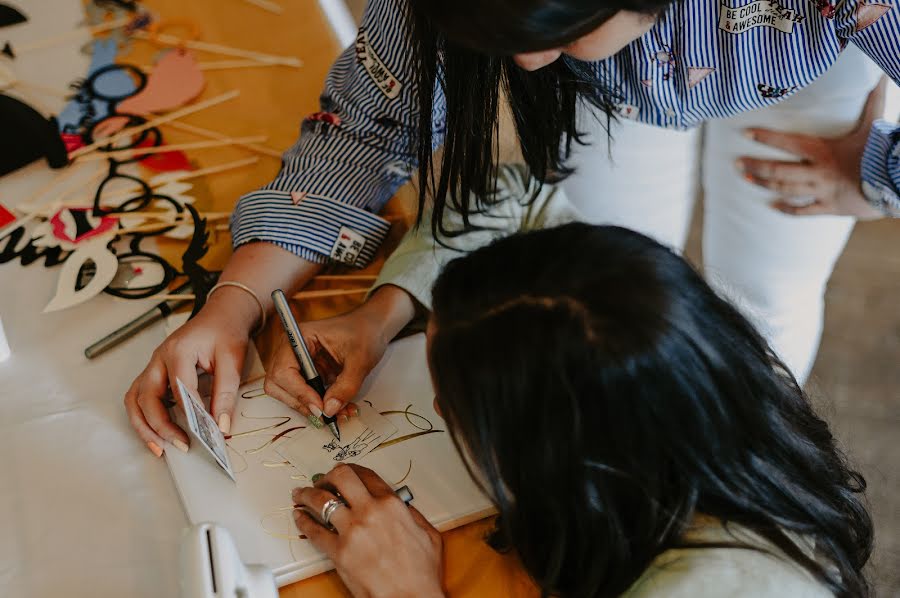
(603, 402)
(464, 51)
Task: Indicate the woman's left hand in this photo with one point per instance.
(829, 171)
(380, 547)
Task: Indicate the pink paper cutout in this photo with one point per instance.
(867, 14)
(65, 226)
(174, 81)
(696, 74)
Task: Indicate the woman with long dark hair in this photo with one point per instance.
(637, 435)
(606, 96)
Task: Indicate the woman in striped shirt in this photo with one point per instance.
(792, 154)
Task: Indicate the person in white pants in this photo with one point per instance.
(774, 265)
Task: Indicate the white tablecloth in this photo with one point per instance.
(85, 509)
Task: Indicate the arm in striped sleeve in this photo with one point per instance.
(874, 26)
(351, 157)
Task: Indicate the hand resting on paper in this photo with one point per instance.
(345, 348)
(215, 340)
(210, 341)
(380, 546)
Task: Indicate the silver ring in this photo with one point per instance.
(329, 508)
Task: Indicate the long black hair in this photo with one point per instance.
(607, 396)
(464, 52)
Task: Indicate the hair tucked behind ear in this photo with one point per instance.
(543, 107)
(606, 395)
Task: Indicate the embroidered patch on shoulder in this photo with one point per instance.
(773, 92)
(347, 246)
(389, 85)
(761, 13)
(627, 110)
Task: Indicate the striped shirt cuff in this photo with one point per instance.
(310, 229)
(881, 168)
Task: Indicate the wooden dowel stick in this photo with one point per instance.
(74, 33)
(298, 296)
(170, 215)
(162, 149)
(171, 40)
(222, 65)
(346, 277)
(267, 5)
(259, 149)
(190, 109)
(175, 178)
(29, 204)
(50, 91)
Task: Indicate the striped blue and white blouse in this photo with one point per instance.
(703, 59)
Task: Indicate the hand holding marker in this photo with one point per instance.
(307, 367)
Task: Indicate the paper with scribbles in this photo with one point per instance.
(314, 451)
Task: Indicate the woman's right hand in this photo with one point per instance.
(345, 349)
(215, 340)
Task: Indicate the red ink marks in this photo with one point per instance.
(326, 117)
(825, 8)
(648, 83)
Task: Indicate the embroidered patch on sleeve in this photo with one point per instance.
(347, 246)
(761, 13)
(773, 91)
(389, 85)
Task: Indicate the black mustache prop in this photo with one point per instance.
(28, 136)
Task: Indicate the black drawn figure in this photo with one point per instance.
(353, 449)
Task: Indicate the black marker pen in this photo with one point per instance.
(307, 367)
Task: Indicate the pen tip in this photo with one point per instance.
(335, 430)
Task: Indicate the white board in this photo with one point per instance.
(257, 509)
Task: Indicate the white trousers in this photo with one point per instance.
(773, 266)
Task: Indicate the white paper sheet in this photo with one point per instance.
(257, 510)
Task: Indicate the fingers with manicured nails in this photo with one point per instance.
(373, 482)
(816, 208)
(783, 187)
(804, 146)
(346, 386)
(136, 418)
(345, 480)
(323, 539)
(151, 391)
(314, 499)
(777, 169)
(227, 367)
(275, 391)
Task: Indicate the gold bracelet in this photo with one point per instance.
(246, 289)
